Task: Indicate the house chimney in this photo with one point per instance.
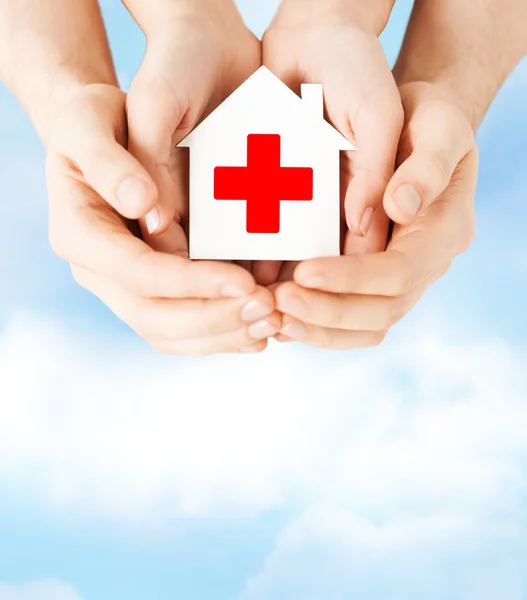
(313, 99)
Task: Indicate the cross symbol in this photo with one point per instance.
(263, 183)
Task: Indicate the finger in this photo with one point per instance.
(377, 127)
(226, 343)
(396, 272)
(184, 319)
(340, 311)
(169, 93)
(415, 255)
(173, 241)
(287, 271)
(442, 137)
(266, 272)
(257, 348)
(374, 241)
(153, 117)
(91, 139)
(87, 233)
(330, 339)
(345, 312)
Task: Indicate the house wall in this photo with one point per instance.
(308, 229)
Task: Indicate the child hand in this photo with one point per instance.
(314, 41)
(352, 301)
(198, 53)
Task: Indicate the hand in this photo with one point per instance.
(313, 41)
(352, 301)
(198, 53)
(179, 306)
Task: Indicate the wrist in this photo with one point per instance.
(154, 16)
(369, 16)
(43, 92)
(467, 53)
(449, 84)
(47, 105)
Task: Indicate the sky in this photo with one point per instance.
(396, 473)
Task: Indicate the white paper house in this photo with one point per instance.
(265, 175)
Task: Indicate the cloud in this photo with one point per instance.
(96, 427)
(332, 553)
(405, 465)
(38, 590)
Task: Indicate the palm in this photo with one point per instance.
(185, 76)
(353, 70)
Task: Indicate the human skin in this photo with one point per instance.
(50, 53)
(466, 49)
(453, 61)
(65, 79)
(198, 53)
(335, 43)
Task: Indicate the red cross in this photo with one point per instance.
(263, 183)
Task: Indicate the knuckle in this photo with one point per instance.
(164, 347)
(58, 245)
(335, 319)
(140, 326)
(468, 232)
(142, 275)
(395, 312)
(437, 170)
(325, 338)
(404, 280)
(217, 326)
(79, 276)
(397, 116)
(136, 315)
(377, 338)
(445, 269)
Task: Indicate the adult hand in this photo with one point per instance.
(336, 44)
(352, 301)
(179, 306)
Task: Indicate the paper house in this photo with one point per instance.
(265, 175)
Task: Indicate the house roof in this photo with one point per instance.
(282, 95)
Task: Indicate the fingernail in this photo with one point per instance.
(255, 310)
(294, 330)
(131, 195)
(408, 199)
(294, 306)
(230, 290)
(282, 339)
(249, 350)
(317, 282)
(365, 222)
(153, 221)
(261, 330)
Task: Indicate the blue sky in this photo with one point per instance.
(396, 473)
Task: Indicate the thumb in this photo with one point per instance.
(442, 137)
(88, 135)
(165, 101)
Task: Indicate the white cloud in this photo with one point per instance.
(402, 460)
(94, 426)
(332, 553)
(38, 590)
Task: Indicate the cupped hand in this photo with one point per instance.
(179, 306)
(314, 41)
(352, 301)
(197, 54)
